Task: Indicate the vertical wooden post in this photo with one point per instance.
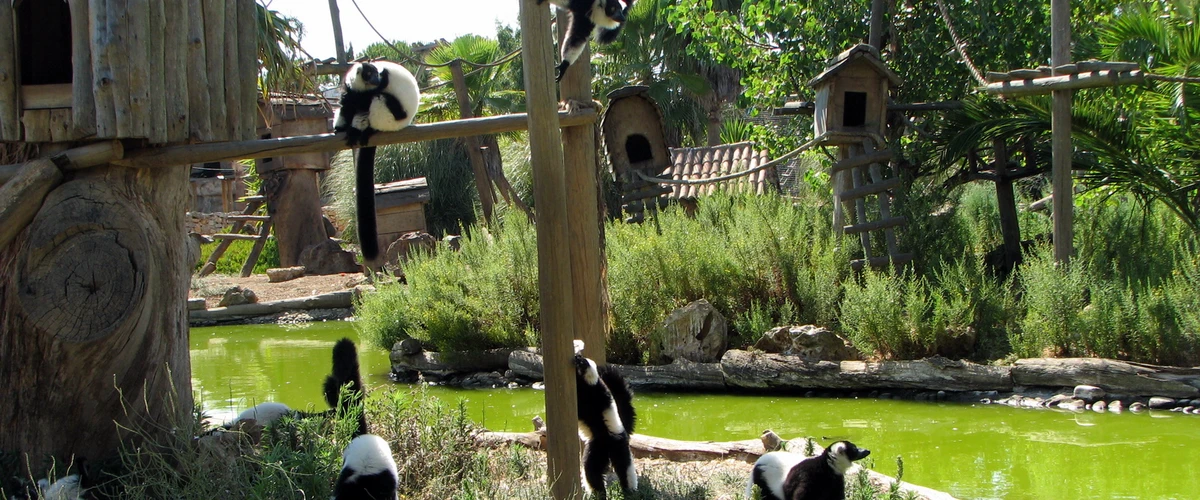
(157, 38)
(579, 156)
(336, 16)
(137, 26)
(199, 121)
(102, 74)
(483, 183)
(175, 65)
(554, 259)
(247, 41)
(233, 77)
(1006, 203)
(10, 114)
(83, 103)
(878, 13)
(214, 51)
(118, 60)
(1060, 126)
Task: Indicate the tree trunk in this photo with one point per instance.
(92, 311)
(294, 203)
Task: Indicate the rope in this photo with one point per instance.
(686, 182)
(959, 45)
(423, 64)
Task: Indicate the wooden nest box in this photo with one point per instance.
(852, 93)
(166, 71)
(400, 209)
(633, 135)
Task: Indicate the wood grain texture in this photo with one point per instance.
(102, 74)
(92, 306)
(36, 123)
(175, 64)
(21, 197)
(233, 76)
(214, 45)
(248, 66)
(137, 50)
(199, 119)
(119, 32)
(582, 178)
(83, 106)
(1062, 187)
(10, 112)
(156, 53)
(554, 259)
(294, 204)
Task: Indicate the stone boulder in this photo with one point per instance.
(408, 243)
(695, 332)
(327, 257)
(281, 274)
(236, 296)
(1089, 393)
(812, 343)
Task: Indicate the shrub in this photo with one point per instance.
(235, 256)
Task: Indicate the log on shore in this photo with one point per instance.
(682, 375)
(332, 300)
(755, 370)
(1117, 377)
(649, 447)
(448, 363)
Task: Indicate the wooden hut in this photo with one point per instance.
(633, 135)
(166, 71)
(852, 93)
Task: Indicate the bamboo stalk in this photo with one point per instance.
(233, 77)
(102, 75)
(175, 68)
(156, 47)
(324, 143)
(10, 112)
(248, 66)
(214, 44)
(199, 121)
(21, 199)
(119, 30)
(554, 259)
(83, 101)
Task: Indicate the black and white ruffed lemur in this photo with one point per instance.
(606, 419)
(599, 19)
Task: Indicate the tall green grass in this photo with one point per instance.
(234, 258)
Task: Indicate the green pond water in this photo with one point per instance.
(970, 451)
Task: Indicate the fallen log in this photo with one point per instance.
(650, 447)
(332, 300)
(1117, 377)
(448, 363)
(756, 370)
(680, 375)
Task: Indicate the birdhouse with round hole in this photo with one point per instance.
(852, 94)
(634, 137)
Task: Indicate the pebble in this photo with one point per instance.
(1137, 407)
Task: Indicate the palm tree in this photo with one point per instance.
(1165, 43)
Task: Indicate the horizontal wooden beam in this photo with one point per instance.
(75, 159)
(324, 143)
(53, 96)
(878, 262)
(875, 225)
(870, 189)
(861, 161)
(246, 237)
(257, 218)
(1046, 85)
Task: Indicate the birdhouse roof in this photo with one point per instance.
(858, 52)
(715, 161)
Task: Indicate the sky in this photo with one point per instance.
(405, 20)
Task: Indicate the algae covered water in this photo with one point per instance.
(970, 451)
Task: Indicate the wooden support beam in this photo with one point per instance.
(243, 237)
(249, 218)
(483, 184)
(554, 258)
(21, 199)
(875, 225)
(247, 41)
(583, 179)
(157, 38)
(252, 259)
(1071, 81)
(1006, 204)
(1060, 136)
(870, 189)
(50, 96)
(102, 73)
(83, 101)
(862, 160)
(10, 106)
(324, 143)
(214, 52)
(82, 157)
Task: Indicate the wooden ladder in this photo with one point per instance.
(865, 167)
(253, 203)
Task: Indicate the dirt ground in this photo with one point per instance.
(211, 287)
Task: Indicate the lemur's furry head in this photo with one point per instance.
(609, 13)
(585, 368)
(842, 454)
(363, 76)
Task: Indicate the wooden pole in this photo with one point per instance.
(878, 13)
(483, 183)
(199, 121)
(214, 52)
(233, 76)
(157, 38)
(263, 148)
(579, 155)
(1072, 81)
(175, 65)
(10, 113)
(118, 61)
(336, 16)
(137, 50)
(102, 73)
(247, 41)
(83, 101)
(554, 259)
(263, 233)
(1060, 131)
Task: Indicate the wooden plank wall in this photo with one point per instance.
(156, 52)
(83, 119)
(200, 123)
(214, 45)
(102, 71)
(175, 62)
(233, 82)
(10, 125)
(248, 66)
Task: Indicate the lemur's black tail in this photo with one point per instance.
(364, 189)
(622, 395)
(346, 372)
